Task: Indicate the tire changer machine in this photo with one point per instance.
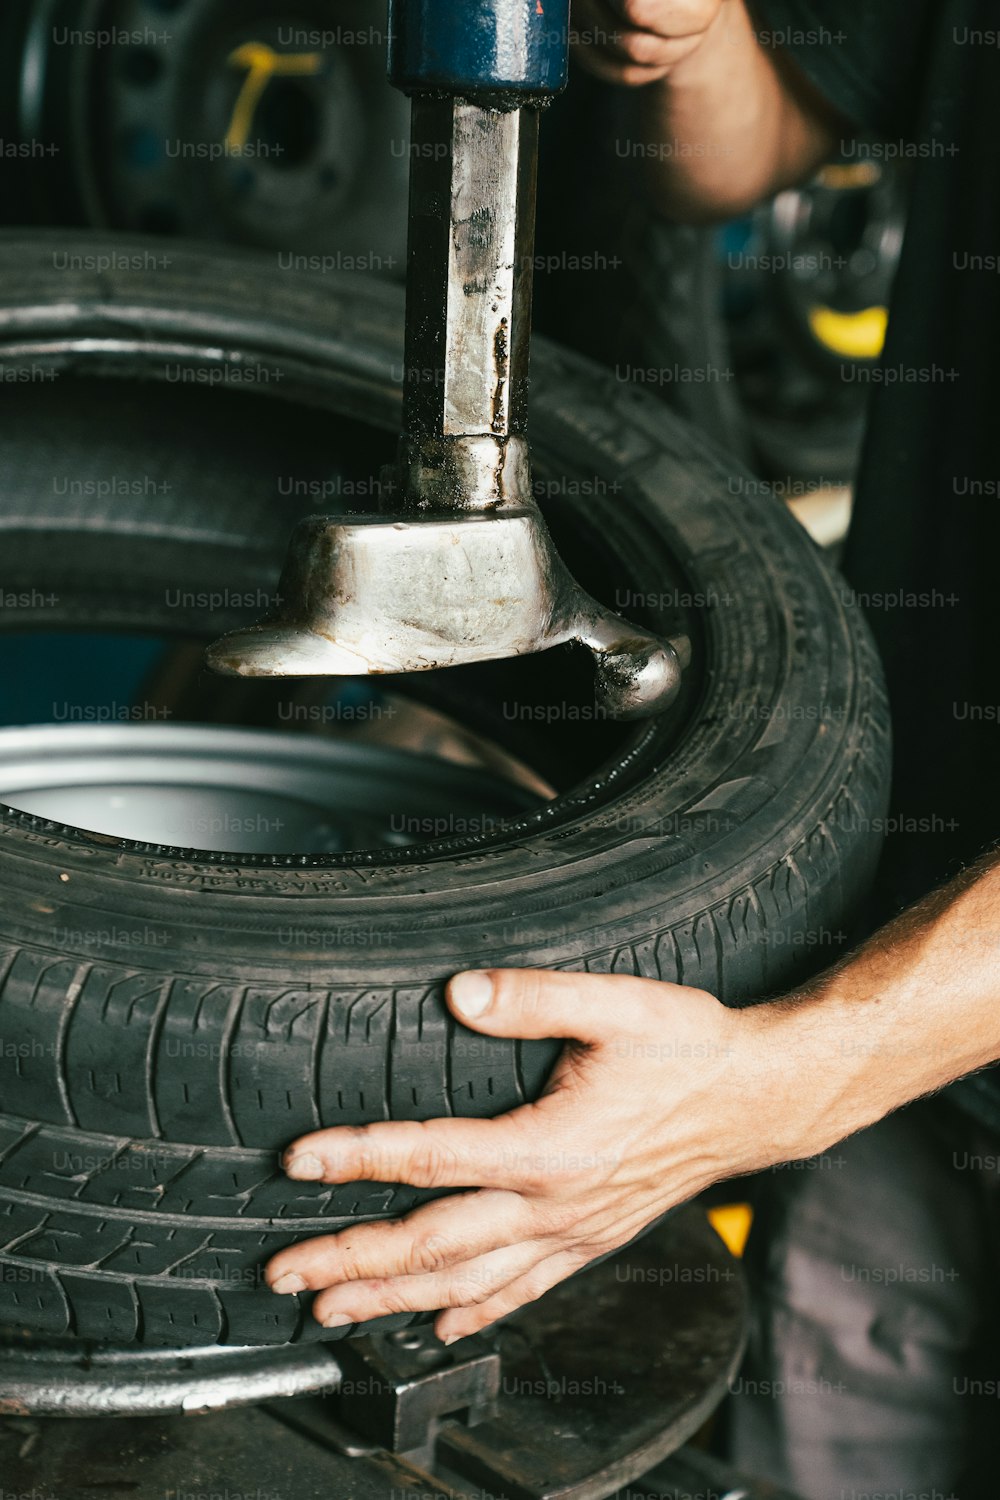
(597, 1389)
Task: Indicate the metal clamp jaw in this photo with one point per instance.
(373, 595)
(459, 567)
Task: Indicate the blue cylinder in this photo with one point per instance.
(477, 48)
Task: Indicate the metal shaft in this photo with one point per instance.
(459, 567)
(472, 214)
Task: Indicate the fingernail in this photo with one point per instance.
(472, 992)
(452, 1338)
(304, 1168)
(286, 1285)
(337, 1320)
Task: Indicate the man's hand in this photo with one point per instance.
(660, 1091)
(638, 41)
(727, 121)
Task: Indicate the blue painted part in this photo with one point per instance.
(66, 678)
(142, 148)
(473, 47)
(734, 237)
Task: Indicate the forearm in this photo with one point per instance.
(729, 125)
(914, 1009)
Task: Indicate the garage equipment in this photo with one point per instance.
(458, 566)
(575, 1396)
(262, 124)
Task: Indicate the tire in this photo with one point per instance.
(726, 845)
(115, 115)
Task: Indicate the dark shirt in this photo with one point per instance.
(924, 549)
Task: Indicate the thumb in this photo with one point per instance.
(545, 1003)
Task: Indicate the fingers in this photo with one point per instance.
(638, 41)
(591, 1008)
(644, 49)
(432, 1153)
(476, 1281)
(673, 18)
(610, 71)
(546, 1273)
(429, 1240)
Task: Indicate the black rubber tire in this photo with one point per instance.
(726, 845)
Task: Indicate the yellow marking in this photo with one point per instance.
(731, 1222)
(859, 335)
(262, 64)
(850, 174)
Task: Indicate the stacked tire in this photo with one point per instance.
(146, 1087)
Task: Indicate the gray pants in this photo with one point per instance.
(874, 1363)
